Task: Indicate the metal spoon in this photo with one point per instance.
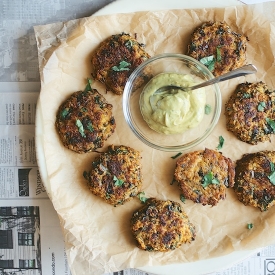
(247, 69)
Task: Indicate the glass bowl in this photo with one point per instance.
(170, 63)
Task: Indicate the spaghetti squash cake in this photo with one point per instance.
(115, 59)
(218, 47)
(204, 175)
(85, 121)
(250, 112)
(255, 179)
(115, 175)
(161, 225)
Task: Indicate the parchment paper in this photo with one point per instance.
(97, 235)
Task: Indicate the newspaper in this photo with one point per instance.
(31, 237)
(31, 240)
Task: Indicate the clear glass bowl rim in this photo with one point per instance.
(127, 112)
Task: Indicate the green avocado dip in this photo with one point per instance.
(175, 112)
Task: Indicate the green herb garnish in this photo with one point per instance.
(64, 113)
(249, 225)
(122, 66)
(182, 198)
(118, 182)
(261, 106)
(207, 109)
(90, 126)
(86, 175)
(221, 143)
(271, 176)
(129, 44)
(209, 179)
(175, 156)
(219, 56)
(272, 166)
(88, 86)
(142, 197)
(80, 128)
(271, 123)
(209, 62)
(246, 95)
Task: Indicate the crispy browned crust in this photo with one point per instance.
(252, 184)
(161, 226)
(115, 175)
(84, 121)
(191, 170)
(248, 110)
(213, 37)
(112, 51)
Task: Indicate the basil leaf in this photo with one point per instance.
(182, 198)
(209, 179)
(271, 177)
(142, 197)
(175, 156)
(250, 225)
(261, 106)
(64, 113)
(209, 62)
(272, 166)
(215, 181)
(271, 123)
(246, 95)
(117, 181)
(80, 128)
(90, 126)
(88, 86)
(221, 143)
(207, 109)
(122, 66)
(129, 44)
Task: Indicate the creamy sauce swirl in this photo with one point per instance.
(172, 113)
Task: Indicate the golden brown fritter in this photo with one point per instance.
(84, 121)
(115, 59)
(204, 175)
(115, 175)
(255, 179)
(161, 226)
(250, 112)
(218, 47)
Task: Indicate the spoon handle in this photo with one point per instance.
(247, 69)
